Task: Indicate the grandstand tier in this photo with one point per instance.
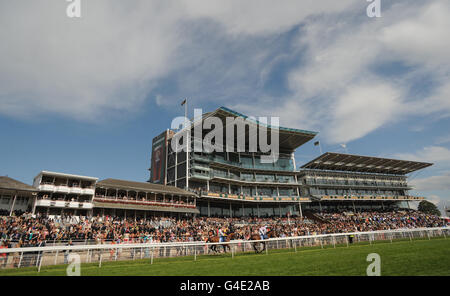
(356, 163)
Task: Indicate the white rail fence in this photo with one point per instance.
(54, 255)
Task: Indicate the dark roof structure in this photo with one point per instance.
(289, 138)
(8, 183)
(357, 163)
(142, 186)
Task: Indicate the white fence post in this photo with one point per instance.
(20, 260)
(40, 261)
(153, 250)
(56, 257)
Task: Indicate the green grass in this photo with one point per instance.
(420, 257)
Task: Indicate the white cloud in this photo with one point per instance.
(82, 67)
(362, 109)
(438, 155)
(417, 39)
(115, 56)
(336, 89)
(432, 183)
(443, 139)
(261, 16)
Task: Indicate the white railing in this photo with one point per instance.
(53, 255)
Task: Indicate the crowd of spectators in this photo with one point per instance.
(27, 230)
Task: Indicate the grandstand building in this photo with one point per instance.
(227, 184)
(234, 184)
(60, 193)
(141, 199)
(67, 194)
(16, 196)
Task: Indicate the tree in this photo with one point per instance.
(428, 208)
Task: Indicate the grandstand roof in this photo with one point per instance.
(357, 163)
(64, 175)
(142, 186)
(11, 184)
(290, 138)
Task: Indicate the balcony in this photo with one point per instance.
(62, 189)
(358, 185)
(87, 191)
(369, 197)
(65, 189)
(46, 187)
(254, 198)
(75, 190)
(63, 204)
(118, 202)
(257, 166)
(274, 181)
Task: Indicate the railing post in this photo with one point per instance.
(195, 253)
(295, 246)
(153, 250)
(321, 243)
(20, 260)
(334, 242)
(347, 240)
(56, 257)
(37, 259)
(101, 258)
(40, 261)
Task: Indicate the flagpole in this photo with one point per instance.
(188, 135)
(320, 146)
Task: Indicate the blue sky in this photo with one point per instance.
(86, 96)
